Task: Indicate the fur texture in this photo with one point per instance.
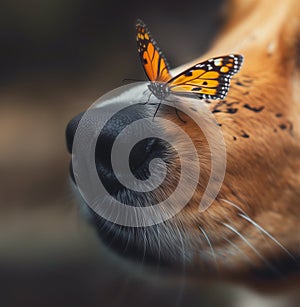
(251, 231)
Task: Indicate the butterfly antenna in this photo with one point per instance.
(128, 80)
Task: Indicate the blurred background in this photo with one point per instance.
(57, 57)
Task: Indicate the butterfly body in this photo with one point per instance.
(159, 90)
(206, 80)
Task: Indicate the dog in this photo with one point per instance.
(250, 231)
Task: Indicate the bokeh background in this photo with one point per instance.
(56, 58)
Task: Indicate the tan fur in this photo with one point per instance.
(263, 169)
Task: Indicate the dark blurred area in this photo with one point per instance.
(57, 57)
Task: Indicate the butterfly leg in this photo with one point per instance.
(143, 103)
(156, 110)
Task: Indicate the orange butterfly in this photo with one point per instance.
(209, 79)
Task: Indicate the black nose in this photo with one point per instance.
(71, 130)
(140, 155)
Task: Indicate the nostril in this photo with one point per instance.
(71, 129)
(141, 155)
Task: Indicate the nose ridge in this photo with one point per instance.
(111, 129)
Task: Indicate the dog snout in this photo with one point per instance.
(140, 155)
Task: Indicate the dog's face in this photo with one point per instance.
(249, 227)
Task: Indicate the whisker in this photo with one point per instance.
(210, 245)
(238, 249)
(182, 246)
(233, 205)
(127, 241)
(267, 234)
(246, 217)
(251, 246)
(159, 244)
(239, 209)
(144, 234)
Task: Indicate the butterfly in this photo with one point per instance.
(206, 80)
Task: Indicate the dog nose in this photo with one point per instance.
(71, 130)
(140, 155)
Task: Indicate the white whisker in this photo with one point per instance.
(267, 234)
(127, 240)
(251, 246)
(246, 217)
(159, 244)
(144, 234)
(210, 245)
(183, 255)
(238, 249)
(234, 205)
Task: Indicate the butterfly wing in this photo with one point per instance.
(209, 79)
(153, 61)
